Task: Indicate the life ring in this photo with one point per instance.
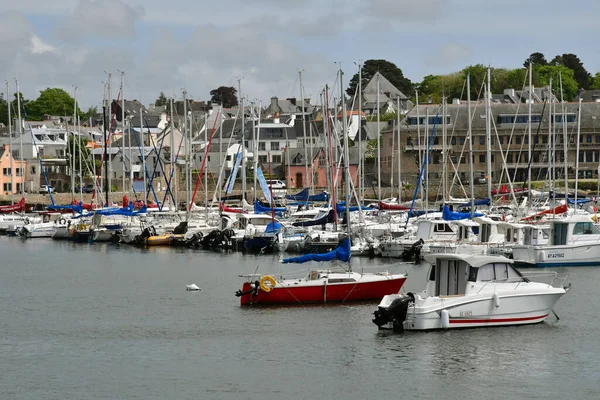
(263, 283)
(62, 221)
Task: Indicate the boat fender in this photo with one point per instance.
(496, 300)
(271, 283)
(445, 316)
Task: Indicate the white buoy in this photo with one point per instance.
(496, 300)
(445, 315)
(193, 286)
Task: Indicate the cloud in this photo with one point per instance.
(39, 47)
(449, 55)
(404, 10)
(108, 19)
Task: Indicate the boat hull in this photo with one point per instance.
(319, 292)
(583, 255)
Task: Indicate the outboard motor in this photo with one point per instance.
(414, 251)
(181, 228)
(394, 313)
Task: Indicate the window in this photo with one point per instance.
(570, 118)
(501, 139)
(518, 141)
(481, 139)
(585, 228)
(482, 158)
(462, 140)
(453, 140)
(262, 159)
(7, 187)
(588, 139)
(19, 171)
(276, 158)
(262, 146)
(6, 172)
(443, 228)
(274, 145)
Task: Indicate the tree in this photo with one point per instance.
(434, 86)
(226, 95)
(595, 82)
(161, 101)
(582, 76)
(569, 84)
(535, 59)
(388, 69)
(51, 101)
(92, 112)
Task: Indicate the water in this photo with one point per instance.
(109, 321)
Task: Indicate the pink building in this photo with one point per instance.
(295, 177)
(10, 167)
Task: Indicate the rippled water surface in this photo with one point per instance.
(109, 321)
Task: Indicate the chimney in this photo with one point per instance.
(509, 92)
(274, 105)
(292, 100)
(456, 101)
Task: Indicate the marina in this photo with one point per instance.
(116, 321)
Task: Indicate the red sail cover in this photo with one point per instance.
(557, 210)
(18, 207)
(387, 206)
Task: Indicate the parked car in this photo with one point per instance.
(276, 184)
(45, 189)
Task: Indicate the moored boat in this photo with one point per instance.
(465, 291)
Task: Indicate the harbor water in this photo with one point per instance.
(115, 322)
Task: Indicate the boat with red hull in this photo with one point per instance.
(17, 207)
(321, 286)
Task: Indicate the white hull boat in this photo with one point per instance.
(465, 291)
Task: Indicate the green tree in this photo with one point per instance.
(226, 95)
(388, 69)
(161, 101)
(51, 101)
(581, 75)
(595, 82)
(75, 145)
(92, 112)
(435, 86)
(535, 59)
(3, 110)
(569, 83)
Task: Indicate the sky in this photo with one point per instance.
(262, 45)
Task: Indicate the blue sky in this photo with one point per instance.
(201, 45)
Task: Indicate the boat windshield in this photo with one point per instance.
(498, 272)
(585, 228)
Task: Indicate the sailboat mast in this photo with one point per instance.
(108, 143)
(347, 175)
(186, 150)
(361, 171)
(106, 184)
(243, 142)
(577, 152)
(306, 184)
(399, 155)
(444, 151)
(206, 172)
(142, 138)
(529, 134)
(80, 169)
(254, 149)
(378, 144)
(10, 145)
(470, 139)
(123, 135)
(488, 132)
(419, 138)
(20, 131)
(550, 136)
(565, 141)
(173, 188)
(72, 161)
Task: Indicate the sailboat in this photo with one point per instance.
(321, 285)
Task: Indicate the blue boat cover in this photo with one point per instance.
(260, 209)
(76, 208)
(301, 196)
(448, 215)
(569, 200)
(478, 202)
(326, 219)
(273, 227)
(342, 253)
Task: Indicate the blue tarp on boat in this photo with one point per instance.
(570, 201)
(448, 215)
(326, 219)
(304, 196)
(260, 209)
(273, 227)
(342, 253)
(478, 202)
(76, 208)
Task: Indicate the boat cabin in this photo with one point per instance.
(576, 229)
(436, 229)
(451, 274)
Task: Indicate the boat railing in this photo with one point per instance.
(555, 279)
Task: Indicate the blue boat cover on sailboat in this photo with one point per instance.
(448, 215)
(570, 201)
(302, 196)
(342, 253)
(260, 209)
(273, 227)
(75, 208)
(478, 202)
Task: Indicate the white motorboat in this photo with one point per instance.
(465, 291)
(574, 241)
